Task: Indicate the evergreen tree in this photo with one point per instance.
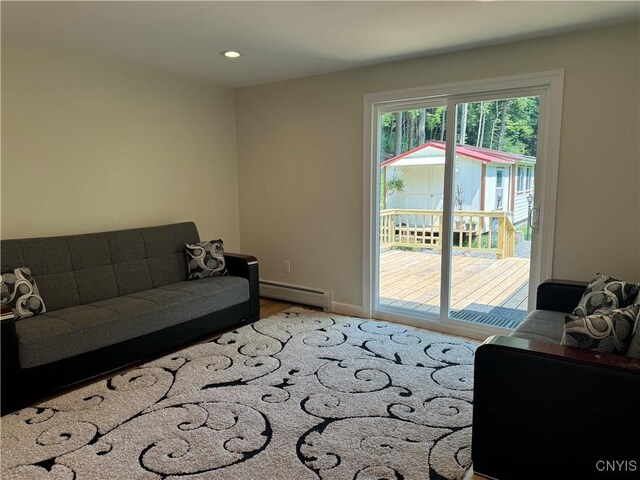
(509, 125)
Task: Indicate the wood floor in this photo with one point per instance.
(470, 475)
(269, 306)
(412, 280)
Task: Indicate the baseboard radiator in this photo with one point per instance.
(296, 293)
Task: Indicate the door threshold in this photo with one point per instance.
(451, 327)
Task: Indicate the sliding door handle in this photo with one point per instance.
(534, 218)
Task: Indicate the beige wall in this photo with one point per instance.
(300, 157)
(90, 146)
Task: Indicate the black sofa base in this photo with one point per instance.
(544, 411)
(22, 387)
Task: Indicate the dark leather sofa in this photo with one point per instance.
(542, 410)
(114, 299)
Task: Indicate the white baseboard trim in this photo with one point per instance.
(308, 296)
(348, 309)
(296, 294)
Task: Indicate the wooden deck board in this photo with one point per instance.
(483, 287)
(519, 299)
(412, 280)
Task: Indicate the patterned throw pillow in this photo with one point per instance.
(607, 330)
(18, 291)
(606, 292)
(206, 259)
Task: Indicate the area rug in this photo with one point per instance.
(299, 395)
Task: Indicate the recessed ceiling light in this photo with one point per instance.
(230, 54)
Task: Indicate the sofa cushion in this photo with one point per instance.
(541, 325)
(132, 276)
(81, 269)
(95, 284)
(606, 292)
(607, 330)
(83, 328)
(59, 289)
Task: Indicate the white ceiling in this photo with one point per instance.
(283, 40)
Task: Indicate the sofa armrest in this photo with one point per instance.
(541, 408)
(561, 352)
(559, 295)
(246, 266)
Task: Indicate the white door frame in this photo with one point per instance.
(549, 85)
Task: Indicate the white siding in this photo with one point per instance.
(490, 189)
(521, 210)
(424, 185)
(469, 176)
(522, 206)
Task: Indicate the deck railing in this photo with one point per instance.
(475, 231)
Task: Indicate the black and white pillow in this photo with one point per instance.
(606, 292)
(18, 291)
(206, 259)
(607, 330)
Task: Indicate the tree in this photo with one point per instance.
(510, 125)
(463, 124)
(411, 129)
(481, 120)
(494, 124)
(422, 122)
(398, 143)
(394, 185)
(503, 124)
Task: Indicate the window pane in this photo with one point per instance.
(490, 240)
(412, 160)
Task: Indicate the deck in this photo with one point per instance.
(484, 290)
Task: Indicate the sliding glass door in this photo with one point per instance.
(493, 197)
(411, 165)
(455, 227)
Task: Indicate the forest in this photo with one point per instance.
(508, 125)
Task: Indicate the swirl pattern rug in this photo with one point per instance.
(299, 395)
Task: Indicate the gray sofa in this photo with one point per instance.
(111, 299)
(546, 323)
(543, 410)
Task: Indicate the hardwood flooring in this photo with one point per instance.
(270, 306)
(473, 476)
